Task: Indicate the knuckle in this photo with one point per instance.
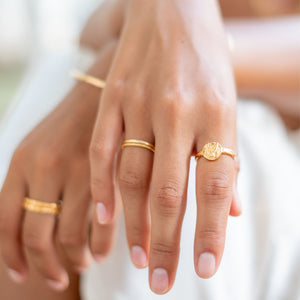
(164, 249)
(117, 85)
(132, 179)
(98, 150)
(98, 184)
(47, 160)
(211, 237)
(170, 199)
(19, 154)
(34, 243)
(71, 240)
(137, 233)
(216, 186)
(217, 104)
(174, 105)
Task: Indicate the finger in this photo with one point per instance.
(103, 149)
(74, 218)
(236, 206)
(134, 180)
(214, 182)
(38, 234)
(11, 212)
(102, 237)
(167, 204)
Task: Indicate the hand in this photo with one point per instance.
(51, 164)
(171, 85)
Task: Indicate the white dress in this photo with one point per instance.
(262, 254)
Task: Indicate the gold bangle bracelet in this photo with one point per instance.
(94, 81)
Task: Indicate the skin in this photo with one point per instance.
(191, 100)
(51, 164)
(276, 79)
(76, 257)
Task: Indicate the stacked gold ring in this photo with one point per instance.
(138, 143)
(41, 207)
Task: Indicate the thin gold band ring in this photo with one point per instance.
(41, 207)
(138, 143)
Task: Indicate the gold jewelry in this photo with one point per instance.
(88, 79)
(138, 143)
(41, 207)
(213, 151)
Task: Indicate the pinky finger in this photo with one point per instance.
(103, 150)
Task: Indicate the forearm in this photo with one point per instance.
(266, 60)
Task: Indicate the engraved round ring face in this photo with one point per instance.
(212, 151)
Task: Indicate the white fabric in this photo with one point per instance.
(262, 254)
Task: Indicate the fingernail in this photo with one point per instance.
(16, 276)
(79, 269)
(206, 265)
(102, 214)
(138, 257)
(56, 285)
(159, 281)
(98, 257)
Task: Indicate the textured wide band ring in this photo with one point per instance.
(213, 151)
(41, 207)
(94, 81)
(138, 143)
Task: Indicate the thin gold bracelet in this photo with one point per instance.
(94, 81)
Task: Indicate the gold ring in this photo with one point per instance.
(41, 207)
(138, 143)
(213, 151)
(94, 81)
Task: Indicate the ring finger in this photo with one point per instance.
(38, 236)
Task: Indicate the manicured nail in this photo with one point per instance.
(102, 214)
(16, 276)
(159, 281)
(138, 257)
(98, 257)
(56, 285)
(206, 265)
(79, 269)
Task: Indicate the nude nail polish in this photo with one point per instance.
(16, 276)
(102, 214)
(159, 281)
(206, 265)
(138, 257)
